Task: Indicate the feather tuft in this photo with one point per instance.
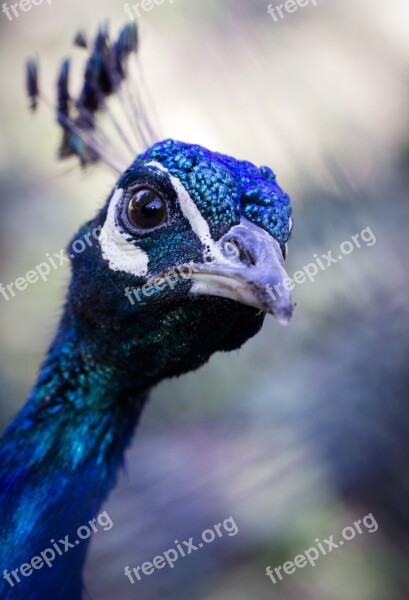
(126, 44)
(32, 82)
(80, 40)
(92, 128)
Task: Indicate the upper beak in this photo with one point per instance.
(248, 268)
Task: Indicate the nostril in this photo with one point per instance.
(234, 249)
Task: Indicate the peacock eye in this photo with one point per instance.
(147, 209)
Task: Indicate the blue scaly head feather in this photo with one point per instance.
(178, 264)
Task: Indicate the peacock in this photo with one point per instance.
(184, 259)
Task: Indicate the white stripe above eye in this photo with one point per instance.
(193, 215)
(117, 248)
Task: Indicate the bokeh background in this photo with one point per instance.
(306, 428)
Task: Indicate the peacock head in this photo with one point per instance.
(191, 244)
(188, 260)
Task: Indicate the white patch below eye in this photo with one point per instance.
(117, 248)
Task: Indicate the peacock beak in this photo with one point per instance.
(247, 268)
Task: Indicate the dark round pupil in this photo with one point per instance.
(147, 210)
(150, 209)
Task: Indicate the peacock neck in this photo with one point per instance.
(60, 458)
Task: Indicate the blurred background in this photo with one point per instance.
(305, 429)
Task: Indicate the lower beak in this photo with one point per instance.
(248, 269)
